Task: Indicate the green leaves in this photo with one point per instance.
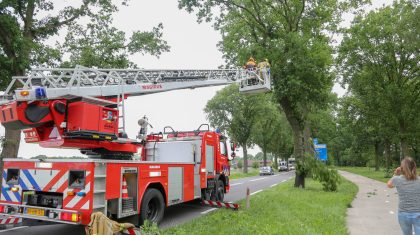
(379, 60)
(148, 42)
(99, 44)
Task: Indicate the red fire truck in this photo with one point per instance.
(83, 108)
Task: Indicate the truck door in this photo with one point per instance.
(210, 154)
(196, 149)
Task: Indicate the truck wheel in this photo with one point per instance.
(220, 191)
(152, 206)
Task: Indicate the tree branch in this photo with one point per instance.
(299, 17)
(19, 10)
(229, 3)
(7, 43)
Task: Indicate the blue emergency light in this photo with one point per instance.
(40, 93)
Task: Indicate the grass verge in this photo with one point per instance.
(282, 209)
(237, 173)
(367, 172)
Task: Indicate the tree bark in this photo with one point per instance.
(308, 147)
(403, 140)
(245, 152)
(404, 148)
(377, 154)
(265, 157)
(387, 148)
(296, 123)
(275, 163)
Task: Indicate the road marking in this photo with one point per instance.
(273, 185)
(258, 179)
(283, 181)
(15, 228)
(209, 210)
(236, 184)
(391, 212)
(290, 177)
(256, 192)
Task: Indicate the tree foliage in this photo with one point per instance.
(236, 115)
(99, 44)
(379, 58)
(293, 35)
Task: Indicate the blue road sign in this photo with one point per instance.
(321, 151)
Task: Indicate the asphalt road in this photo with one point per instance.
(174, 215)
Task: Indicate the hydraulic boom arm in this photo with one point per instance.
(82, 81)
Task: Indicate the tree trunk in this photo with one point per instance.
(265, 157)
(377, 153)
(275, 163)
(308, 147)
(405, 150)
(11, 143)
(245, 152)
(387, 147)
(296, 123)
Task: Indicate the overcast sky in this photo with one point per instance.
(193, 46)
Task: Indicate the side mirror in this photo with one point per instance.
(232, 147)
(232, 156)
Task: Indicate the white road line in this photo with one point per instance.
(256, 192)
(273, 185)
(236, 184)
(209, 210)
(386, 201)
(283, 181)
(391, 212)
(258, 179)
(15, 228)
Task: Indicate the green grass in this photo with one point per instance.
(368, 172)
(237, 173)
(280, 210)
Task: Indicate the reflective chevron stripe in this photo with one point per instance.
(10, 220)
(79, 202)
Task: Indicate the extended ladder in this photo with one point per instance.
(82, 81)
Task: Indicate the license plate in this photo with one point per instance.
(33, 211)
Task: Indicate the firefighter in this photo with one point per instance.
(250, 67)
(250, 64)
(264, 65)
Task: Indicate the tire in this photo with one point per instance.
(220, 191)
(152, 206)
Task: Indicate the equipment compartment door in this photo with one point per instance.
(175, 185)
(128, 199)
(210, 159)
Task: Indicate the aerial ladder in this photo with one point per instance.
(83, 107)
